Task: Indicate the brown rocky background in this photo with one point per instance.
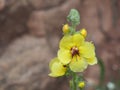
(31, 29)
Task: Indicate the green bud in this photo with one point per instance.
(74, 17)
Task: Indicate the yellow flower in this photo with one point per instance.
(76, 52)
(81, 84)
(65, 28)
(57, 68)
(83, 32)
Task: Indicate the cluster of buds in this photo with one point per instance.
(66, 30)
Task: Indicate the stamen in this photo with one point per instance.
(64, 65)
(74, 51)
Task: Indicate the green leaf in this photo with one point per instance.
(74, 17)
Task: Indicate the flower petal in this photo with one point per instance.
(66, 42)
(92, 61)
(78, 39)
(64, 56)
(57, 68)
(87, 50)
(78, 65)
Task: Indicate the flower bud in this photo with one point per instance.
(83, 32)
(65, 28)
(81, 84)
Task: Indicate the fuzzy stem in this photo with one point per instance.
(73, 83)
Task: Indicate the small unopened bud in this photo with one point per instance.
(65, 28)
(83, 32)
(81, 84)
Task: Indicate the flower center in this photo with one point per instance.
(74, 51)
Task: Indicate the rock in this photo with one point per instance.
(38, 4)
(24, 64)
(12, 23)
(2, 4)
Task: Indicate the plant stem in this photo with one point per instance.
(73, 83)
(102, 71)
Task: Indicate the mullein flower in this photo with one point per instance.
(76, 52)
(57, 68)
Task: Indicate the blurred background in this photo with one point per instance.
(30, 31)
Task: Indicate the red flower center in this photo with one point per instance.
(74, 51)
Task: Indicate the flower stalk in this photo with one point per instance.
(74, 54)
